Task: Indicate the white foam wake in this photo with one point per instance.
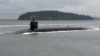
(27, 33)
(13, 25)
(96, 28)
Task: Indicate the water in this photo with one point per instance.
(60, 43)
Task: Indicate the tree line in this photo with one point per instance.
(53, 15)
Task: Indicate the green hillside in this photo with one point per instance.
(53, 15)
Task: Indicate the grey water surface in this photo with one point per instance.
(65, 43)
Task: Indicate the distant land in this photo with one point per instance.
(53, 15)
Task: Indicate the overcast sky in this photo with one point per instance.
(11, 9)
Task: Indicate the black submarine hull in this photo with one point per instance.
(58, 29)
(51, 29)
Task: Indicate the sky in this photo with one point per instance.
(12, 9)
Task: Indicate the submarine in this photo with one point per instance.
(51, 29)
(34, 28)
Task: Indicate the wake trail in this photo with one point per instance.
(13, 25)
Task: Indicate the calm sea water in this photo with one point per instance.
(62, 43)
